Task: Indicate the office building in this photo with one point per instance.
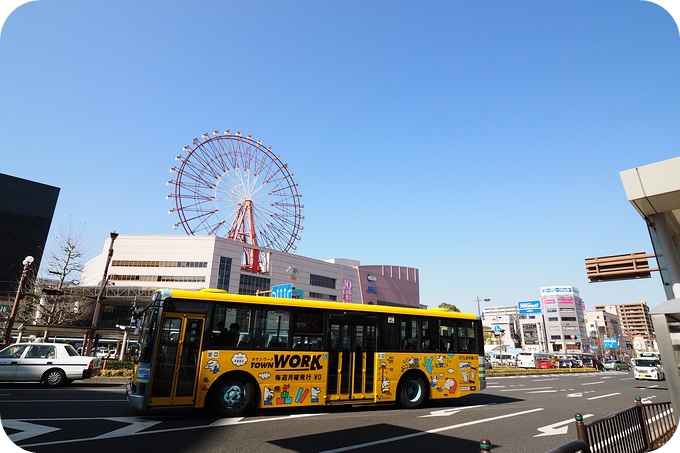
(565, 320)
(26, 211)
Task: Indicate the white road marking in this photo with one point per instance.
(137, 425)
(448, 412)
(26, 430)
(431, 431)
(552, 430)
(602, 396)
(526, 389)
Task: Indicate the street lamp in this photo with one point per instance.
(98, 302)
(10, 322)
(479, 311)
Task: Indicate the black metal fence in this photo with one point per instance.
(640, 428)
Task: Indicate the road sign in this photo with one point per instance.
(497, 329)
(610, 343)
(283, 291)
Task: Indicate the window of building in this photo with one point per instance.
(251, 284)
(313, 295)
(224, 273)
(319, 280)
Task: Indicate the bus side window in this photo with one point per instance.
(462, 339)
(447, 344)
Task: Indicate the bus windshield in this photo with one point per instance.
(147, 334)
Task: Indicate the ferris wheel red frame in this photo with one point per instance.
(232, 186)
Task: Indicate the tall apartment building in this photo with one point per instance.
(634, 318)
(604, 325)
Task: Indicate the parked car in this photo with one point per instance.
(617, 365)
(544, 364)
(568, 363)
(648, 368)
(106, 353)
(593, 363)
(53, 364)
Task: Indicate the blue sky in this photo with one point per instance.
(478, 141)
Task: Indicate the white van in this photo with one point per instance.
(648, 368)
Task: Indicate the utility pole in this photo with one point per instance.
(100, 296)
(479, 311)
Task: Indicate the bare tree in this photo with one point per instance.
(53, 303)
(65, 262)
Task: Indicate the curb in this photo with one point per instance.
(105, 380)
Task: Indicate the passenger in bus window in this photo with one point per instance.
(232, 335)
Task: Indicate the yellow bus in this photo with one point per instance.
(232, 353)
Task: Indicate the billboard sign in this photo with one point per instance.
(528, 307)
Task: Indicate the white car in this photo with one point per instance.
(53, 364)
(648, 368)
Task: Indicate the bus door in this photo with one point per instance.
(351, 358)
(173, 381)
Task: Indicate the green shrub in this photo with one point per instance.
(115, 365)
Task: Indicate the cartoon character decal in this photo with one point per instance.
(268, 396)
(213, 365)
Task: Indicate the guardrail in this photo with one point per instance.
(637, 429)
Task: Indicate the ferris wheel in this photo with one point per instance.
(232, 186)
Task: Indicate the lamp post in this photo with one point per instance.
(100, 295)
(479, 311)
(10, 322)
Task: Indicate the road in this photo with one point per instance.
(530, 413)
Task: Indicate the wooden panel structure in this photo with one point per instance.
(619, 267)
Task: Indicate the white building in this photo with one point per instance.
(565, 320)
(195, 262)
(604, 330)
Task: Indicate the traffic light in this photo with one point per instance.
(52, 292)
(628, 344)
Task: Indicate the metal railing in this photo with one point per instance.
(637, 429)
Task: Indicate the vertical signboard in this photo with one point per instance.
(346, 290)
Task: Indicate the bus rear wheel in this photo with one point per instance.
(412, 392)
(232, 398)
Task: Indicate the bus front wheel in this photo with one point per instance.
(412, 392)
(232, 398)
